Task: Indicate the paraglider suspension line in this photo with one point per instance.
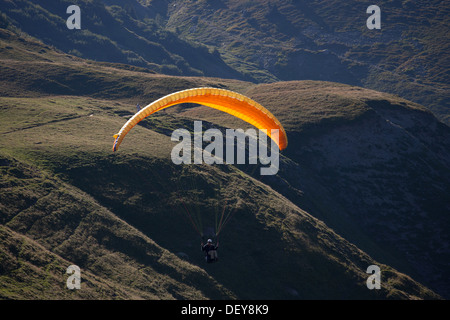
(190, 218)
(223, 221)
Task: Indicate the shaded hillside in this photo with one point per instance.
(386, 168)
(113, 34)
(31, 68)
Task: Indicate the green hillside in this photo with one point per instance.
(67, 199)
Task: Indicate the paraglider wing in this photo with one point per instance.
(227, 101)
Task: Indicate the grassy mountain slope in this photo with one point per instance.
(31, 68)
(110, 33)
(48, 225)
(66, 199)
(264, 41)
(328, 40)
(290, 254)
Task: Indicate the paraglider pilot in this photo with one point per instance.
(210, 251)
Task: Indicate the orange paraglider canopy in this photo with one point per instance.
(227, 101)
